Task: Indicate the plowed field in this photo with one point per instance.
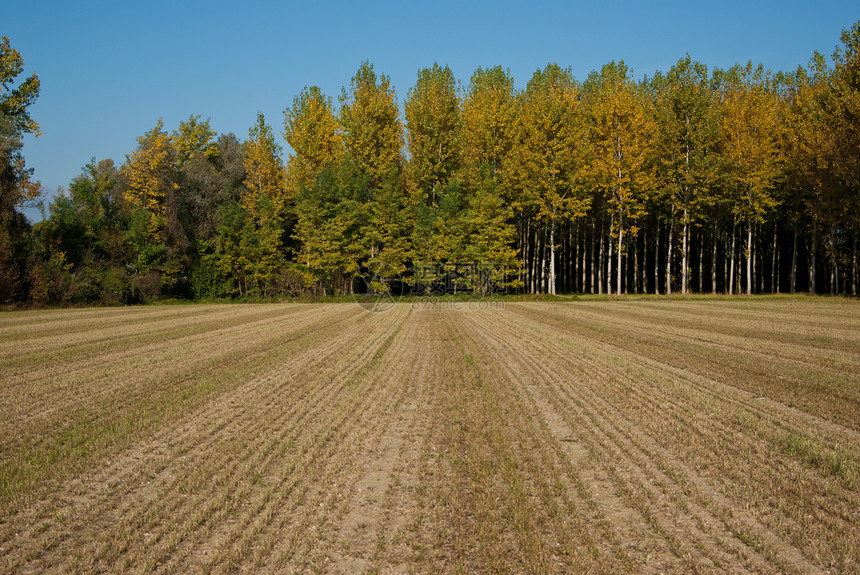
(654, 436)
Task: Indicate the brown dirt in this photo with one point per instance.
(605, 437)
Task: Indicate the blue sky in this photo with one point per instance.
(110, 70)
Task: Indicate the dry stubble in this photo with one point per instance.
(716, 436)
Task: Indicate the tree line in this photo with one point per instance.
(694, 180)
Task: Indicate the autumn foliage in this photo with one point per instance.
(691, 180)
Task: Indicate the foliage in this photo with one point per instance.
(596, 186)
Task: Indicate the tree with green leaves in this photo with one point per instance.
(16, 184)
(15, 100)
(488, 131)
(311, 130)
(267, 205)
(686, 143)
(808, 146)
(845, 122)
(193, 137)
(154, 235)
(373, 143)
(551, 153)
(750, 138)
(620, 132)
(432, 134)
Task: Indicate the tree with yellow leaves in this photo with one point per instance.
(372, 130)
(487, 138)
(373, 142)
(550, 154)
(156, 234)
(750, 130)
(266, 204)
(488, 131)
(15, 100)
(620, 133)
(311, 130)
(686, 142)
(149, 179)
(191, 138)
(432, 133)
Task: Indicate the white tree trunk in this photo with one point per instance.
(684, 255)
(552, 257)
(813, 249)
(669, 256)
(774, 276)
(749, 257)
(794, 261)
(620, 243)
(714, 260)
(600, 257)
(657, 260)
(610, 255)
(732, 257)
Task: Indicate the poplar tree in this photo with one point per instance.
(191, 138)
(266, 203)
(686, 142)
(551, 152)
(620, 134)
(432, 133)
(750, 130)
(373, 142)
(487, 137)
(311, 130)
(149, 176)
(845, 86)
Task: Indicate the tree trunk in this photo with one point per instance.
(644, 279)
(573, 239)
(834, 285)
(714, 259)
(669, 255)
(635, 265)
(524, 238)
(813, 248)
(701, 256)
(794, 262)
(541, 261)
(533, 256)
(610, 256)
(854, 268)
(749, 257)
(620, 244)
(685, 245)
(594, 257)
(582, 265)
(552, 257)
(657, 260)
(601, 256)
(732, 256)
(774, 276)
(724, 237)
(534, 248)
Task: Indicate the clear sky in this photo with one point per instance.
(110, 70)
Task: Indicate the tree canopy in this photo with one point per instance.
(694, 179)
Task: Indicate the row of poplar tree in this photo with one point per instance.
(736, 181)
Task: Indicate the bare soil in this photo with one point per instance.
(715, 436)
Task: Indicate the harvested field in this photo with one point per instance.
(653, 436)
